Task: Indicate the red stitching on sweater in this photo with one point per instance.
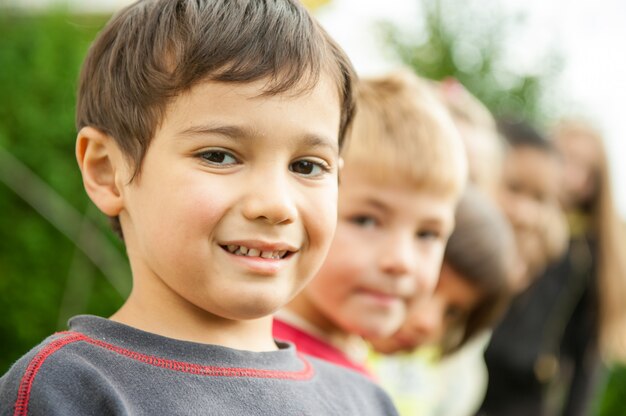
(23, 391)
(23, 394)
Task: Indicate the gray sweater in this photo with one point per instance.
(101, 367)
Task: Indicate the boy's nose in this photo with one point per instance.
(270, 200)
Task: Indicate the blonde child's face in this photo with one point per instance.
(529, 198)
(388, 246)
(235, 205)
(430, 319)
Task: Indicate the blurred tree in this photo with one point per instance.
(470, 41)
(611, 402)
(57, 257)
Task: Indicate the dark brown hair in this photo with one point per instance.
(480, 250)
(154, 50)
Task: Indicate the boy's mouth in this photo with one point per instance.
(239, 250)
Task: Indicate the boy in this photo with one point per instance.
(209, 131)
(404, 171)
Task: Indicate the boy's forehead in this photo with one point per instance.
(239, 110)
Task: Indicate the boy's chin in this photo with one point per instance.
(252, 312)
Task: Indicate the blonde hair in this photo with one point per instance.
(467, 110)
(401, 131)
(611, 250)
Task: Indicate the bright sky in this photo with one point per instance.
(590, 36)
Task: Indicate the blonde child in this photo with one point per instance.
(210, 132)
(442, 385)
(403, 174)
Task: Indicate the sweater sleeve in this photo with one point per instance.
(42, 383)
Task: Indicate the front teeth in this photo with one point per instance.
(253, 252)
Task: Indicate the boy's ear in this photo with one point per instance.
(102, 166)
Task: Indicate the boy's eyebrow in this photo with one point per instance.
(245, 133)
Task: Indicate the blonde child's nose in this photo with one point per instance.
(398, 255)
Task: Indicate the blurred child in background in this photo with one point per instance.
(594, 267)
(478, 131)
(472, 291)
(460, 375)
(405, 169)
(522, 357)
(529, 197)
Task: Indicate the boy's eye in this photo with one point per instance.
(364, 221)
(306, 167)
(218, 157)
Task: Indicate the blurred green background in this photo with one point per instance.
(58, 257)
(45, 214)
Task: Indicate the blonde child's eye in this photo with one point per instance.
(428, 235)
(364, 221)
(309, 168)
(218, 157)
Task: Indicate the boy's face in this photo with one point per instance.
(431, 318)
(235, 205)
(388, 247)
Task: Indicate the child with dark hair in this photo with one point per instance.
(547, 355)
(530, 199)
(209, 131)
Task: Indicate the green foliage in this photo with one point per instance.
(612, 401)
(40, 56)
(468, 40)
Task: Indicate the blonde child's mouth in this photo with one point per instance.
(382, 298)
